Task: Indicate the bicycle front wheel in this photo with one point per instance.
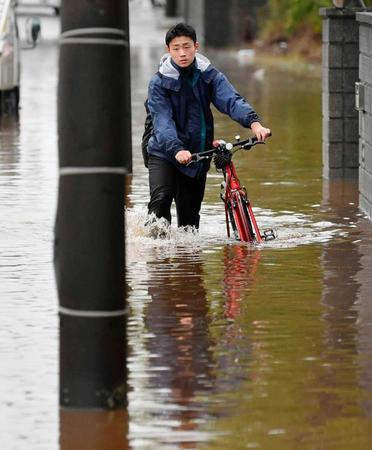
(230, 217)
(242, 219)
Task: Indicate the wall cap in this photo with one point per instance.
(340, 13)
(364, 16)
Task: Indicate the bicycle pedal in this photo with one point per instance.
(269, 234)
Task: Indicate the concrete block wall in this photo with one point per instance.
(364, 105)
(340, 72)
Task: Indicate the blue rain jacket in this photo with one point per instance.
(179, 102)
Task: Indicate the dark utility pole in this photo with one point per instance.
(94, 157)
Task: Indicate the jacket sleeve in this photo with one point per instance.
(162, 118)
(228, 101)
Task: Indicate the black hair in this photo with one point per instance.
(181, 29)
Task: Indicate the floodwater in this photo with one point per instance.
(231, 346)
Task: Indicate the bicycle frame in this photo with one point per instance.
(236, 198)
(238, 208)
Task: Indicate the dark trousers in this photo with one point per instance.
(168, 183)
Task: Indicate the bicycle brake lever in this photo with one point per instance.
(249, 145)
(197, 158)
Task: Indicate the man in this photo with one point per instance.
(179, 99)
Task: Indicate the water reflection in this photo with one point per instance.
(9, 146)
(177, 319)
(364, 320)
(192, 347)
(347, 267)
(178, 349)
(93, 430)
(240, 266)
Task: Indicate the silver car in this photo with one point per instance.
(9, 58)
(54, 4)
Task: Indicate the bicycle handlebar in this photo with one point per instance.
(247, 144)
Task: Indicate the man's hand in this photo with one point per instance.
(183, 157)
(261, 132)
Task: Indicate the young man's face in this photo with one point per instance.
(182, 50)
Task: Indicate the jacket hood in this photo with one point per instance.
(167, 69)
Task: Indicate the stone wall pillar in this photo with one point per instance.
(364, 106)
(340, 72)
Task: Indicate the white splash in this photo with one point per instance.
(293, 229)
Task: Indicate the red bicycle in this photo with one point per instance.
(238, 208)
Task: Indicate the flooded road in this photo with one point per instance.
(231, 346)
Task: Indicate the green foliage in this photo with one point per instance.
(286, 17)
(305, 12)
